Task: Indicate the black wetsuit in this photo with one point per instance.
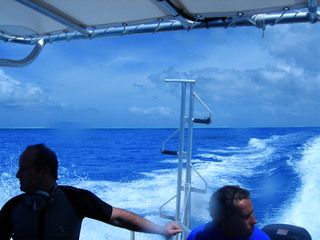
(59, 218)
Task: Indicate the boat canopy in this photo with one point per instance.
(37, 22)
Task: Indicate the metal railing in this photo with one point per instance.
(183, 204)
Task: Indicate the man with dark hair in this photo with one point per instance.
(45, 157)
(233, 219)
(47, 211)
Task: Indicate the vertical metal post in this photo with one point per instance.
(181, 150)
(183, 213)
(188, 157)
(187, 187)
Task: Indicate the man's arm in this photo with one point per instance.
(6, 225)
(5, 218)
(125, 219)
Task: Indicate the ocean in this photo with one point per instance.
(124, 167)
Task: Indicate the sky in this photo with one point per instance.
(246, 77)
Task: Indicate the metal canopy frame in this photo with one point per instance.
(172, 15)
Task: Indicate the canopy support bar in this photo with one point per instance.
(25, 61)
(169, 7)
(162, 26)
(312, 8)
(287, 18)
(50, 11)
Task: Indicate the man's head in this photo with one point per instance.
(232, 209)
(38, 167)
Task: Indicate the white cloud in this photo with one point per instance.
(238, 73)
(165, 111)
(295, 44)
(263, 93)
(123, 59)
(16, 94)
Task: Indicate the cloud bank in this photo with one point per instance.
(284, 91)
(20, 95)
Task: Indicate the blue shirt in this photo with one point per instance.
(211, 231)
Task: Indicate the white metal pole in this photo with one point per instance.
(188, 158)
(181, 149)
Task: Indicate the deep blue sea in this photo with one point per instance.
(124, 167)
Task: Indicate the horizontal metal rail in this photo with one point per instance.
(259, 21)
(240, 21)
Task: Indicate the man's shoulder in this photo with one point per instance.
(70, 188)
(14, 201)
(87, 204)
(11, 204)
(205, 227)
(206, 231)
(203, 232)
(258, 234)
(74, 191)
(199, 228)
(193, 234)
(79, 196)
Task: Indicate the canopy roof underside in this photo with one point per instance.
(41, 21)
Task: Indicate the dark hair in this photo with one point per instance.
(45, 157)
(222, 202)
